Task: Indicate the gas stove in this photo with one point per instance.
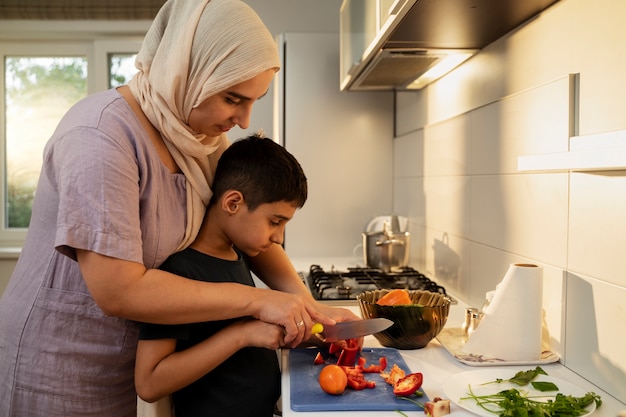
(335, 285)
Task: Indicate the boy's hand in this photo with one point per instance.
(263, 335)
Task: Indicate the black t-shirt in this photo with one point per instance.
(245, 385)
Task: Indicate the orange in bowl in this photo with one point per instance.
(415, 324)
(395, 298)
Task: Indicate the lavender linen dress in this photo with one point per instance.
(102, 188)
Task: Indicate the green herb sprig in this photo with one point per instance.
(521, 378)
(511, 403)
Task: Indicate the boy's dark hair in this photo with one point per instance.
(262, 170)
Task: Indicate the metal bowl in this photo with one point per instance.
(415, 325)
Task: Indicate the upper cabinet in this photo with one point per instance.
(406, 44)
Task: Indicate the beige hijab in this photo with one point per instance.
(194, 50)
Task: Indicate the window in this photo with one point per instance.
(38, 91)
(39, 82)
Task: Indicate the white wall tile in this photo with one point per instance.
(408, 199)
(410, 111)
(535, 121)
(597, 236)
(447, 200)
(596, 333)
(445, 147)
(522, 214)
(408, 154)
(445, 255)
(418, 253)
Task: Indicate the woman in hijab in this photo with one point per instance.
(124, 184)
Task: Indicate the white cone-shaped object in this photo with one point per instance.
(511, 328)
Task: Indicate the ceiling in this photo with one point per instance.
(79, 9)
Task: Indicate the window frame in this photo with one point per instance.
(62, 38)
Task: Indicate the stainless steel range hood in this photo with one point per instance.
(423, 34)
(409, 68)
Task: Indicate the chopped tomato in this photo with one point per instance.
(408, 385)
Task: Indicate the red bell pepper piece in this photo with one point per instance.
(319, 359)
(336, 347)
(349, 353)
(360, 384)
(382, 364)
(408, 385)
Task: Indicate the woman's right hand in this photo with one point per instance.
(295, 313)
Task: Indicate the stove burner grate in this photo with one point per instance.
(347, 285)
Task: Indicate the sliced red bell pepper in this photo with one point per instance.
(360, 384)
(361, 361)
(319, 359)
(336, 347)
(382, 364)
(408, 385)
(349, 353)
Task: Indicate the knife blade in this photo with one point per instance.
(353, 329)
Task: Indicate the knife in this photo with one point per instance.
(352, 329)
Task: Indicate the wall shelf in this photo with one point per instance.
(598, 152)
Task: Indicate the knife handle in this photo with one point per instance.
(317, 328)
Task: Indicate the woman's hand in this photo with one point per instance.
(336, 313)
(294, 312)
(339, 314)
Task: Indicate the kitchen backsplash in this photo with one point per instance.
(472, 213)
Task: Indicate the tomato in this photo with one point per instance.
(394, 298)
(408, 385)
(333, 380)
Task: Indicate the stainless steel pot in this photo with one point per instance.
(386, 250)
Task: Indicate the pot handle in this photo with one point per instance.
(390, 242)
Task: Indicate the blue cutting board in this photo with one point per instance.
(306, 394)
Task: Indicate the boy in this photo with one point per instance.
(229, 367)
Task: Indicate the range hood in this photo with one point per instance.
(423, 35)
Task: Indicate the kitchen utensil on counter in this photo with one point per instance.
(415, 325)
(353, 329)
(387, 249)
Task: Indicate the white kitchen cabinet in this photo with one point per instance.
(343, 140)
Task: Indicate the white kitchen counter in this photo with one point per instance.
(436, 364)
